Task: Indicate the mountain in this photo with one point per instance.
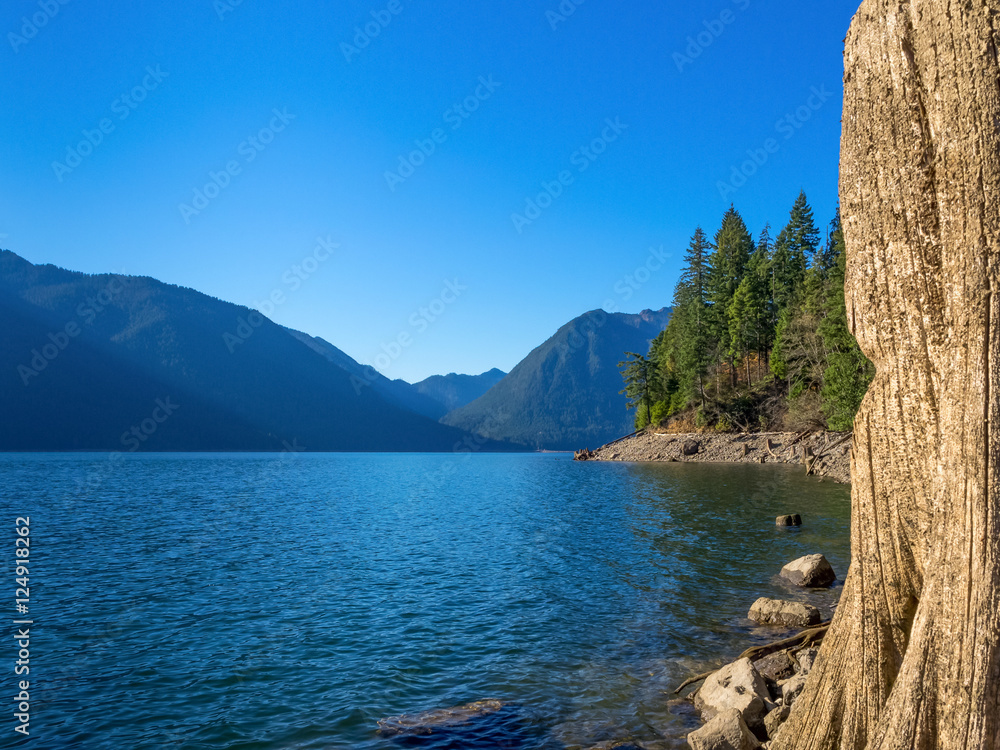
(122, 363)
(454, 391)
(565, 394)
(398, 392)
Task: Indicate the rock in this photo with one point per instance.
(690, 448)
(774, 720)
(727, 731)
(585, 455)
(793, 520)
(791, 614)
(738, 685)
(775, 667)
(806, 658)
(441, 719)
(811, 571)
(793, 688)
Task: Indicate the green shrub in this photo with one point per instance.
(661, 410)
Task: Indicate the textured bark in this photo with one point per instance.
(912, 660)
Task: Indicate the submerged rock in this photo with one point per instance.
(811, 571)
(727, 731)
(736, 686)
(793, 520)
(438, 720)
(776, 612)
(588, 733)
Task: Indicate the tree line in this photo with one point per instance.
(758, 338)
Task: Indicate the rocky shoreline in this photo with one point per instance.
(745, 703)
(823, 454)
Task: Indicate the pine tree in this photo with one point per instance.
(826, 257)
(750, 314)
(804, 235)
(686, 349)
(788, 270)
(737, 302)
(733, 247)
(694, 281)
(636, 373)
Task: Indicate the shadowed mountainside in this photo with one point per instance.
(565, 394)
(109, 362)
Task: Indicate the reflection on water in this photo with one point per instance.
(248, 601)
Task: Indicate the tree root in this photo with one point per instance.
(802, 640)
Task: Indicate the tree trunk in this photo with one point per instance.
(912, 661)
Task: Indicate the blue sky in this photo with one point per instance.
(411, 151)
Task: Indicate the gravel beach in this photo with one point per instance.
(829, 452)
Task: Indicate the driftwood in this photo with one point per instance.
(840, 442)
(770, 448)
(798, 438)
(613, 442)
(802, 640)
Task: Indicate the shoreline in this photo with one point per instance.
(828, 454)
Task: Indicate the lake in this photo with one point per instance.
(290, 601)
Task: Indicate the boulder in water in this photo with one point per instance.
(738, 685)
(789, 614)
(811, 571)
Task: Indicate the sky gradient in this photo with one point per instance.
(473, 176)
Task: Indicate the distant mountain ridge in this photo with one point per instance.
(565, 394)
(433, 397)
(121, 363)
(397, 392)
(453, 391)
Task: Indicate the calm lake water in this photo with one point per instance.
(262, 601)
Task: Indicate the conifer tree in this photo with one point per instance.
(687, 347)
(788, 270)
(826, 257)
(733, 247)
(750, 325)
(803, 233)
(779, 302)
(637, 374)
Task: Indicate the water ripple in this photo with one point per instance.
(251, 602)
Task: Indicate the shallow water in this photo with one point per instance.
(261, 601)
